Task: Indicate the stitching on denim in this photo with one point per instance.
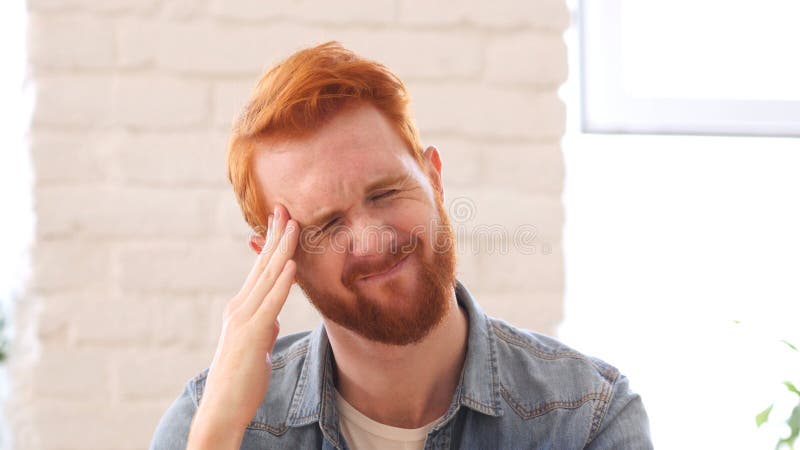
(282, 360)
(607, 371)
(488, 409)
(453, 409)
(327, 399)
(198, 389)
(312, 414)
(600, 410)
(493, 364)
(445, 442)
(261, 426)
(526, 413)
(300, 389)
(504, 335)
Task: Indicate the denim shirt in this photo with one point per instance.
(518, 390)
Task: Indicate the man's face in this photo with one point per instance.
(376, 253)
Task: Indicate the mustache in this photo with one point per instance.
(369, 265)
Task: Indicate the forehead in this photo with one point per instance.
(330, 167)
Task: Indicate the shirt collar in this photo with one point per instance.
(478, 388)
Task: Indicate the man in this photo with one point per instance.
(405, 358)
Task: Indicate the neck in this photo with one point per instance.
(403, 386)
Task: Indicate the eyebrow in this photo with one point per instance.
(324, 217)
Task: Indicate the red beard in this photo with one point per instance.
(420, 312)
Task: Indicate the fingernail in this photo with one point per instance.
(277, 213)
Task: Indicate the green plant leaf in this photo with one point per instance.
(763, 416)
(790, 345)
(789, 385)
(794, 425)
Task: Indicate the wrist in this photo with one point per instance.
(213, 432)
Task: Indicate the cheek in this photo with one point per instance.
(320, 267)
(411, 214)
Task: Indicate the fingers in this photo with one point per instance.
(264, 254)
(268, 310)
(280, 217)
(265, 283)
(275, 226)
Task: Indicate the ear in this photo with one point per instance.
(434, 168)
(256, 242)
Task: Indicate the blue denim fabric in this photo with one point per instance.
(518, 390)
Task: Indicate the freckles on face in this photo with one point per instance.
(333, 174)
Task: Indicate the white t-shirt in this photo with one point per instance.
(363, 433)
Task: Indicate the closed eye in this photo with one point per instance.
(384, 194)
(329, 225)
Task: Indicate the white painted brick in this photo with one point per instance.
(108, 6)
(177, 159)
(527, 58)
(120, 212)
(536, 311)
(70, 42)
(346, 11)
(462, 160)
(476, 110)
(218, 49)
(53, 320)
(432, 13)
(468, 269)
(69, 373)
(86, 425)
(298, 314)
(143, 375)
(74, 264)
(111, 323)
(231, 219)
(155, 102)
(436, 54)
(440, 57)
(229, 98)
(136, 42)
(196, 267)
(181, 10)
(181, 322)
(482, 210)
(528, 168)
(544, 14)
(62, 157)
(83, 100)
(516, 273)
(541, 14)
(134, 101)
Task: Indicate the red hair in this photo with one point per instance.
(296, 96)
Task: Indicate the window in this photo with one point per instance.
(691, 67)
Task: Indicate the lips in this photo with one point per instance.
(388, 272)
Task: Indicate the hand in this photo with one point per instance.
(239, 374)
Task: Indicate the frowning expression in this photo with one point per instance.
(376, 245)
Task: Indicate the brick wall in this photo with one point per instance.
(139, 241)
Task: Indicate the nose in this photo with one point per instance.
(369, 236)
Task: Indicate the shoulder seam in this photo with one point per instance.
(602, 408)
(502, 334)
(527, 414)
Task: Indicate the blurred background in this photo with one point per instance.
(646, 152)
